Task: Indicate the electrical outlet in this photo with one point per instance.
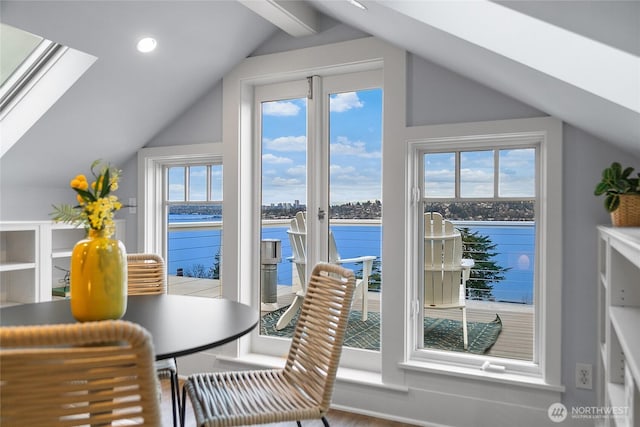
(584, 377)
(132, 205)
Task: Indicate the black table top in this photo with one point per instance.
(179, 324)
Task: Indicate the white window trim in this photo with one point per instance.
(241, 188)
(152, 228)
(544, 372)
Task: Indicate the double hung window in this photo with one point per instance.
(492, 189)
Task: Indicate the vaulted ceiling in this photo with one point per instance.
(579, 61)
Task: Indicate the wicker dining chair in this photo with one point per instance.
(93, 373)
(147, 276)
(303, 388)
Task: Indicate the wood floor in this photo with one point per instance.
(335, 418)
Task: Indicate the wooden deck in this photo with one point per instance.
(515, 340)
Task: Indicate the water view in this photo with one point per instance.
(193, 251)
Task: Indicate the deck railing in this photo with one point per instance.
(195, 249)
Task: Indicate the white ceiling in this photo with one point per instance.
(482, 41)
(126, 98)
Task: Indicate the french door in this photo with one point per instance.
(320, 145)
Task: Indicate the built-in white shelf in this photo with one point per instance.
(30, 251)
(618, 323)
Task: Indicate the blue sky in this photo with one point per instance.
(477, 171)
(355, 133)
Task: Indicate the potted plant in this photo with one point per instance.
(622, 194)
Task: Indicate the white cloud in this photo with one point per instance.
(343, 146)
(275, 160)
(299, 170)
(345, 101)
(284, 182)
(287, 143)
(476, 175)
(440, 175)
(280, 108)
(337, 170)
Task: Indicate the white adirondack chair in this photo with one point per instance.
(298, 239)
(445, 272)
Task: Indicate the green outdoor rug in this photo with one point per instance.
(440, 334)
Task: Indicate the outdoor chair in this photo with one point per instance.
(303, 388)
(445, 272)
(92, 373)
(298, 239)
(146, 276)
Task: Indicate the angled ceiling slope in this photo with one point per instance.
(583, 81)
(125, 97)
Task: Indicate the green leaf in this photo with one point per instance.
(86, 194)
(67, 213)
(611, 202)
(616, 168)
(623, 185)
(105, 183)
(601, 188)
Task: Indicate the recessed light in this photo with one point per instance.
(146, 44)
(357, 4)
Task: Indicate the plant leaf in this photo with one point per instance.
(67, 213)
(601, 188)
(611, 202)
(105, 183)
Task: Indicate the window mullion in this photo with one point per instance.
(458, 173)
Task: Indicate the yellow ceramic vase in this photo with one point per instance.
(98, 278)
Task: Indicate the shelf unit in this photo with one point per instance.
(619, 320)
(30, 251)
(19, 263)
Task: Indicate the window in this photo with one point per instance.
(180, 214)
(34, 72)
(496, 219)
(194, 222)
(496, 191)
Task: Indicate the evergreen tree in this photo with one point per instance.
(486, 270)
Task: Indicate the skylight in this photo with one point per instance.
(22, 56)
(34, 74)
(15, 47)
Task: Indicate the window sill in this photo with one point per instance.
(344, 375)
(481, 375)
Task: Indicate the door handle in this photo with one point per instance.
(321, 214)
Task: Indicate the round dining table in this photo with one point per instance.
(179, 324)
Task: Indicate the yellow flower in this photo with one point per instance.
(96, 207)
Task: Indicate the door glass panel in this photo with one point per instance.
(355, 200)
(284, 193)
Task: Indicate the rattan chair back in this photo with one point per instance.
(93, 373)
(146, 274)
(303, 389)
(317, 340)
